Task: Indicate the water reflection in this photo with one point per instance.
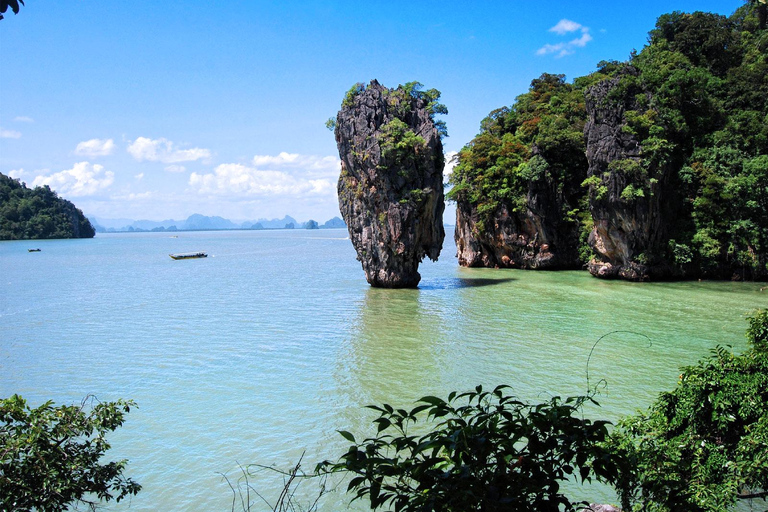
(391, 351)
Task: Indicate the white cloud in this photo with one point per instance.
(23, 119)
(550, 48)
(285, 174)
(163, 150)
(9, 134)
(311, 163)
(562, 28)
(95, 147)
(139, 176)
(175, 168)
(565, 26)
(582, 41)
(133, 196)
(84, 179)
(16, 173)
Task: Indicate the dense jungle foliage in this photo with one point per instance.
(39, 213)
(704, 445)
(695, 99)
(540, 137)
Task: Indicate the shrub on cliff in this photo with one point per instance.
(540, 137)
(678, 176)
(50, 456)
(703, 446)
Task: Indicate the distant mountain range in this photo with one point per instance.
(197, 222)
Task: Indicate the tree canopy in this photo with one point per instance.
(38, 213)
(13, 4)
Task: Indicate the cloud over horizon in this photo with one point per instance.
(84, 179)
(562, 28)
(284, 174)
(95, 147)
(163, 150)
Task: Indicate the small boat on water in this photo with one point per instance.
(33, 250)
(188, 255)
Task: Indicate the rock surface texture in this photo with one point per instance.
(630, 201)
(538, 238)
(391, 183)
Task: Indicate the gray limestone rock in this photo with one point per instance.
(630, 229)
(391, 183)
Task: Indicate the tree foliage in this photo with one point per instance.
(38, 213)
(13, 4)
(50, 455)
(484, 450)
(704, 445)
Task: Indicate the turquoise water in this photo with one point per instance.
(261, 351)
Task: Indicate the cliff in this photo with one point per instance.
(391, 183)
(655, 168)
(39, 213)
(631, 200)
(517, 185)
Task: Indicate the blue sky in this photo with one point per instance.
(157, 110)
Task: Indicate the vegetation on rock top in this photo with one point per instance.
(695, 102)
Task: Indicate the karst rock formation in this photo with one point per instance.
(391, 183)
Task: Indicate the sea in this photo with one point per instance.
(248, 362)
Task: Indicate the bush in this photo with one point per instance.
(703, 446)
(492, 453)
(49, 456)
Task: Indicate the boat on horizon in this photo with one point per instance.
(34, 250)
(188, 255)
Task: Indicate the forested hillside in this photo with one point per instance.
(38, 213)
(647, 169)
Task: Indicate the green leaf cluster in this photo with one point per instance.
(704, 445)
(699, 448)
(38, 213)
(400, 146)
(485, 450)
(50, 456)
(706, 79)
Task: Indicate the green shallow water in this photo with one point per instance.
(261, 351)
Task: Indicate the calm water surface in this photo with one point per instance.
(264, 349)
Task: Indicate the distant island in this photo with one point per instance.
(198, 222)
(38, 213)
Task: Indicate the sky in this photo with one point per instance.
(158, 110)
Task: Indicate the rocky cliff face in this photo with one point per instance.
(391, 183)
(537, 238)
(630, 197)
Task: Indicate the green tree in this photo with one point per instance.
(484, 450)
(50, 455)
(38, 213)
